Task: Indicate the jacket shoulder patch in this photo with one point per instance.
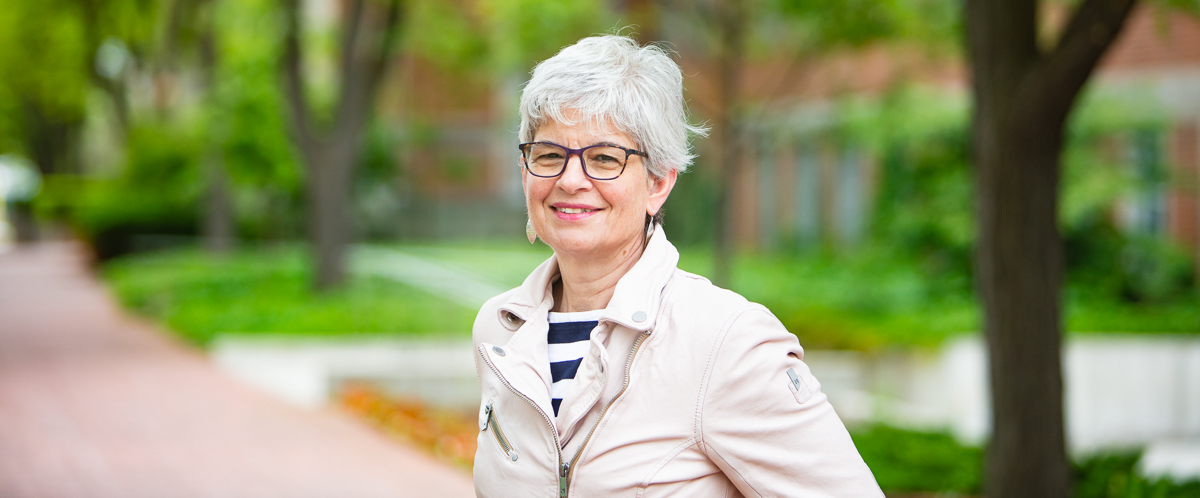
(799, 388)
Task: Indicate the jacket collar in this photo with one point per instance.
(635, 301)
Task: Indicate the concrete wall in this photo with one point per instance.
(1121, 391)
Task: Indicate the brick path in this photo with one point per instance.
(97, 404)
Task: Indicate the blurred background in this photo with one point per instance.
(319, 194)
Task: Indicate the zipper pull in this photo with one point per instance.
(562, 480)
(487, 417)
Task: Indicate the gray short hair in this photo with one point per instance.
(640, 89)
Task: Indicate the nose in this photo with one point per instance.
(573, 179)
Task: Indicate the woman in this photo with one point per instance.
(610, 372)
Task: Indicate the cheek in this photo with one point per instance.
(534, 194)
(629, 202)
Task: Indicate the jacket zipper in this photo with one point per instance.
(565, 474)
(562, 490)
(498, 433)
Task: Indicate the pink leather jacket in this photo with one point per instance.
(687, 390)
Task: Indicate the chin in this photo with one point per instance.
(574, 242)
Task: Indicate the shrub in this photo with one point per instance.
(1114, 476)
(909, 461)
(156, 193)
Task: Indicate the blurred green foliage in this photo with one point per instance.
(870, 300)
(157, 193)
(828, 24)
(157, 187)
(908, 461)
(864, 303)
(912, 461)
(924, 208)
(49, 68)
(1115, 476)
(520, 33)
(25, 74)
(506, 264)
(910, 282)
(242, 121)
(266, 290)
(246, 119)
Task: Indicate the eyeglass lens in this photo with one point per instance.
(600, 162)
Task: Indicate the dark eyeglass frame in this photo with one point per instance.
(582, 161)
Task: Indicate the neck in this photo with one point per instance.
(588, 282)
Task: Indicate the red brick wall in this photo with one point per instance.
(1153, 37)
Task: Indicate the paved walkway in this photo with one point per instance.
(96, 404)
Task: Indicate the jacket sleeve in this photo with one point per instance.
(770, 434)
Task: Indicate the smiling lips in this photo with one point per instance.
(571, 212)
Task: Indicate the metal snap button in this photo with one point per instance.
(497, 350)
(639, 316)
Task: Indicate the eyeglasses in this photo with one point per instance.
(600, 162)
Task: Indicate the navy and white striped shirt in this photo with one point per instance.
(568, 343)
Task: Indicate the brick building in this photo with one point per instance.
(799, 184)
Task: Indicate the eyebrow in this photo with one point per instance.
(605, 142)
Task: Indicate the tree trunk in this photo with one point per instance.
(53, 145)
(218, 215)
(1019, 270)
(1022, 98)
(218, 212)
(115, 88)
(23, 223)
(731, 24)
(330, 167)
(330, 154)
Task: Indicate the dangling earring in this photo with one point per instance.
(529, 233)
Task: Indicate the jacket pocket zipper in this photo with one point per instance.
(499, 433)
(546, 418)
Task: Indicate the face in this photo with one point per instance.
(577, 215)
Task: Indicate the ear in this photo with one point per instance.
(660, 188)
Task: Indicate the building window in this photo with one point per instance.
(850, 200)
(808, 194)
(1144, 211)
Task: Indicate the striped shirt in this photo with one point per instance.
(568, 342)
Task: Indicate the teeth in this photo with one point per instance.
(572, 210)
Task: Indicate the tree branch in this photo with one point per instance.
(114, 89)
(1001, 38)
(351, 27)
(1060, 75)
(388, 42)
(377, 66)
(293, 61)
(362, 77)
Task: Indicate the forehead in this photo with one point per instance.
(581, 132)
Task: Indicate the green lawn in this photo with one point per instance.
(267, 290)
(866, 301)
(849, 302)
(505, 263)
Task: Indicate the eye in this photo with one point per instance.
(604, 159)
